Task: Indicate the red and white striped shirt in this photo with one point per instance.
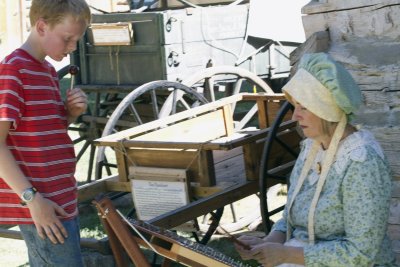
(38, 138)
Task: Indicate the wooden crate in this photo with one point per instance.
(196, 140)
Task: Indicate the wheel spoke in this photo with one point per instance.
(174, 100)
(80, 139)
(83, 149)
(135, 114)
(154, 104)
(249, 115)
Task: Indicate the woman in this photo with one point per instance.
(338, 201)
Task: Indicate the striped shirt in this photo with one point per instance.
(38, 137)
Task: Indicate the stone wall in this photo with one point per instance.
(364, 36)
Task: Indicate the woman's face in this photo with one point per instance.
(310, 123)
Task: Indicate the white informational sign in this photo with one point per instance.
(278, 20)
(112, 34)
(153, 198)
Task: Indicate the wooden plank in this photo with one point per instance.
(206, 168)
(157, 174)
(202, 191)
(122, 165)
(89, 191)
(192, 130)
(198, 164)
(162, 250)
(120, 233)
(117, 186)
(230, 171)
(222, 155)
(227, 119)
(199, 259)
(262, 114)
(222, 143)
(263, 96)
(252, 157)
(113, 139)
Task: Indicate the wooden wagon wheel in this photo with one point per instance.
(144, 104)
(279, 154)
(165, 98)
(89, 125)
(235, 80)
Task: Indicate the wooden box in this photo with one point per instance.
(196, 141)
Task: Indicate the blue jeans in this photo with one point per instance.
(43, 253)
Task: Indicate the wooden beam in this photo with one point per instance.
(90, 190)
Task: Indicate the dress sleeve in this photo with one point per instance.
(366, 193)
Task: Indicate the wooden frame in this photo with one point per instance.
(187, 140)
(235, 157)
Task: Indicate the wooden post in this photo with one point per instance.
(119, 235)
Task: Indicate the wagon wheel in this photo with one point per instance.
(89, 125)
(234, 80)
(84, 133)
(280, 152)
(162, 96)
(142, 105)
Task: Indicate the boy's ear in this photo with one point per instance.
(41, 26)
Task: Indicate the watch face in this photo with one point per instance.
(28, 194)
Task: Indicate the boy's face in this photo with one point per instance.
(61, 39)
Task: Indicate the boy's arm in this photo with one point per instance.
(43, 211)
(8, 166)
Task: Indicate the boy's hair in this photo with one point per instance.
(54, 11)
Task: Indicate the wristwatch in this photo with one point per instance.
(28, 195)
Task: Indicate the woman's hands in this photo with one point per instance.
(269, 254)
(270, 250)
(44, 215)
(266, 253)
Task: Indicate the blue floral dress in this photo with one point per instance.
(352, 212)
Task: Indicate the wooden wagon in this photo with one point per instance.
(214, 157)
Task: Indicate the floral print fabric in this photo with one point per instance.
(352, 211)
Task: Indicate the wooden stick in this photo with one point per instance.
(234, 239)
(121, 231)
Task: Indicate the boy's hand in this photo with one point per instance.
(76, 103)
(44, 214)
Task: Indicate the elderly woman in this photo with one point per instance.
(340, 187)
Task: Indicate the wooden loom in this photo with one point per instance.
(164, 242)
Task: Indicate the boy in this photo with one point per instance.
(38, 190)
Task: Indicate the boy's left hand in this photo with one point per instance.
(76, 103)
